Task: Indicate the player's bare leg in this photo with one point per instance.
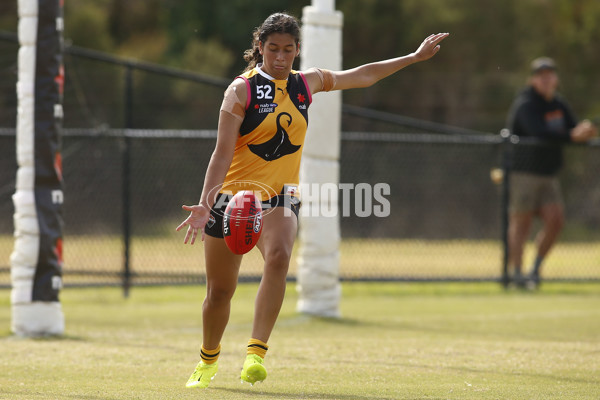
(222, 269)
(518, 232)
(275, 244)
(553, 219)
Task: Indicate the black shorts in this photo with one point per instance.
(214, 226)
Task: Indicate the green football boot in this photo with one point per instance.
(202, 376)
(253, 370)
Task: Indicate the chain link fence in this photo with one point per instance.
(124, 187)
(445, 220)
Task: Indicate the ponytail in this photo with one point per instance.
(252, 56)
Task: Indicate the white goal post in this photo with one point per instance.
(36, 260)
(318, 260)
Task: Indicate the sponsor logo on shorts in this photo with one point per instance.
(211, 221)
(226, 230)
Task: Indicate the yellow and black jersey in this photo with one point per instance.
(269, 147)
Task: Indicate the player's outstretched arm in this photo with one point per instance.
(368, 74)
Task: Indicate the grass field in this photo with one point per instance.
(395, 341)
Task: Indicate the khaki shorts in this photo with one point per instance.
(529, 192)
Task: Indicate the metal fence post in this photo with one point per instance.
(507, 142)
(128, 115)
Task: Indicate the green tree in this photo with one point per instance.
(470, 83)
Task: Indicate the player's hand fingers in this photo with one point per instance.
(190, 235)
(194, 234)
(181, 225)
(196, 220)
(430, 46)
(188, 208)
(187, 235)
(436, 39)
(441, 36)
(186, 221)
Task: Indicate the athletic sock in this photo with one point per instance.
(537, 265)
(257, 347)
(517, 270)
(210, 356)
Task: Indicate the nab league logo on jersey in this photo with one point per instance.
(266, 107)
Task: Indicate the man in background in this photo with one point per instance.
(539, 112)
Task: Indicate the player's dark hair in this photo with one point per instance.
(275, 23)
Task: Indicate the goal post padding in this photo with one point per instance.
(318, 285)
(36, 261)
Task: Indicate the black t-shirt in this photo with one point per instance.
(533, 116)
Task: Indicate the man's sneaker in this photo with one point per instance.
(533, 281)
(519, 280)
(253, 370)
(202, 376)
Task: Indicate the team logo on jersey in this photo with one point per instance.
(279, 145)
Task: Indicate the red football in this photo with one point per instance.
(242, 222)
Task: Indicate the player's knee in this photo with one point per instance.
(218, 295)
(278, 258)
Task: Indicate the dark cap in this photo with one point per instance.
(542, 63)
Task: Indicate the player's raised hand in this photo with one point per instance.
(430, 46)
(196, 221)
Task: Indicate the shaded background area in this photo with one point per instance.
(470, 83)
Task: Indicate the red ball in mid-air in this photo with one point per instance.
(242, 222)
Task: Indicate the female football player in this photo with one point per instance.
(261, 130)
